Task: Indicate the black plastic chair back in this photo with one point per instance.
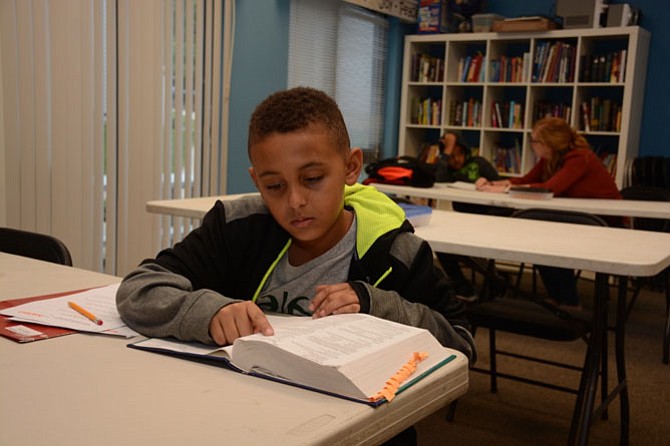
(648, 193)
(580, 218)
(34, 245)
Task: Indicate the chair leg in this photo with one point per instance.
(494, 366)
(633, 299)
(666, 335)
(519, 277)
(604, 376)
(451, 411)
(624, 403)
(666, 341)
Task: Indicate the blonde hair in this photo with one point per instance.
(560, 138)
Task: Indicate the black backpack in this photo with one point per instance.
(402, 170)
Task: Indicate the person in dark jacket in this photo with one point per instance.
(314, 243)
(456, 163)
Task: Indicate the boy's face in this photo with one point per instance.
(301, 177)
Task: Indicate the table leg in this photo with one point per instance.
(584, 408)
(583, 413)
(622, 386)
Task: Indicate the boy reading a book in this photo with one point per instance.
(314, 243)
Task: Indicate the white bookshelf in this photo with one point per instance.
(624, 93)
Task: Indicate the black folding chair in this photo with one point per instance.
(662, 280)
(525, 313)
(34, 245)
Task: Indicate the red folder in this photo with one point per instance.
(46, 332)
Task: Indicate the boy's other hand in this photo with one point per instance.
(339, 298)
(236, 320)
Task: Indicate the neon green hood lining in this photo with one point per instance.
(376, 214)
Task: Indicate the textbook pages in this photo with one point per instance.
(351, 355)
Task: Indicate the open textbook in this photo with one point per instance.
(353, 356)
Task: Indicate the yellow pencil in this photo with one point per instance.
(85, 312)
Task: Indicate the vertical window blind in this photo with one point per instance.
(340, 49)
(108, 104)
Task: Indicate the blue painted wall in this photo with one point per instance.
(260, 68)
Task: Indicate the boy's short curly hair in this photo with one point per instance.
(296, 109)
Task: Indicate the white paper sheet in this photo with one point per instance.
(57, 313)
(462, 185)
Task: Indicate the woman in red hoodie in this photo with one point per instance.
(569, 168)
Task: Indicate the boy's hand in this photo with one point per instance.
(236, 320)
(334, 299)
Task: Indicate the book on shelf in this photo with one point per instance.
(555, 62)
(600, 73)
(609, 161)
(527, 66)
(353, 356)
(510, 69)
(604, 114)
(608, 158)
(607, 68)
(465, 113)
(498, 114)
(586, 119)
(517, 123)
(427, 68)
(548, 63)
(464, 68)
(495, 70)
(426, 111)
(507, 159)
(544, 109)
(622, 65)
(537, 61)
(471, 68)
(507, 114)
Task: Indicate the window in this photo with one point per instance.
(134, 115)
(341, 49)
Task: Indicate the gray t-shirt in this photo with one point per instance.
(289, 289)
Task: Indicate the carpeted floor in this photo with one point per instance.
(522, 414)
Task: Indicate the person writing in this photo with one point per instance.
(314, 243)
(569, 168)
